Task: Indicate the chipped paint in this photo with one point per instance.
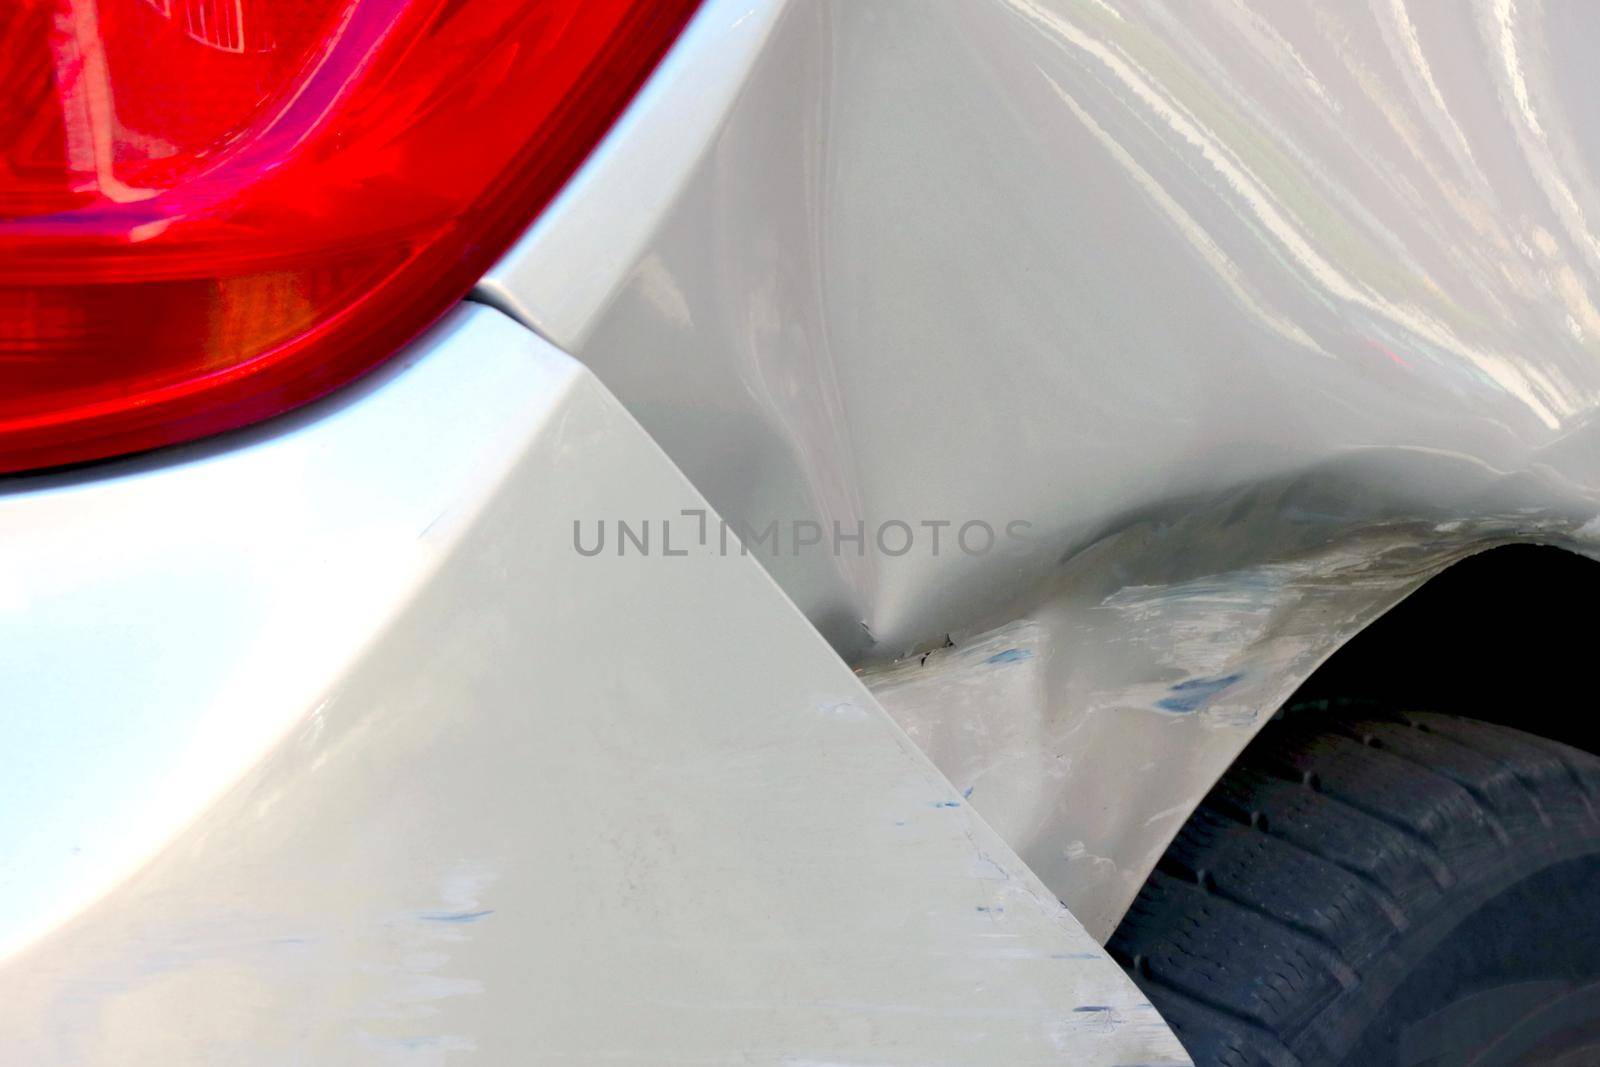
(1194, 694)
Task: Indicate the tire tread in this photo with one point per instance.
(1317, 851)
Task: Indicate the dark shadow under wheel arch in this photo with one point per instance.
(1500, 636)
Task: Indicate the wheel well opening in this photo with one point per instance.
(1505, 636)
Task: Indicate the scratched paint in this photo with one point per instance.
(1151, 687)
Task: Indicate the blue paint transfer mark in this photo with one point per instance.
(1010, 655)
(947, 803)
(1092, 1007)
(455, 916)
(1193, 694)
(997, 911)
(1075, 955)
(967, 792)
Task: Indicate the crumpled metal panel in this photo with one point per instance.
(1259, 313)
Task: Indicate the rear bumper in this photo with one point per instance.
(330, 747)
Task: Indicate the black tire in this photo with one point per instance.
(1375, 889)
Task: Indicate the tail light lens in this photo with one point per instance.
(214, 210)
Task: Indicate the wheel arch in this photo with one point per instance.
(1496, 636)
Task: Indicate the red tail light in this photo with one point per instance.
(214, 210)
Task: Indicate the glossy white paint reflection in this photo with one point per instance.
(1260, 313)
(164, 626)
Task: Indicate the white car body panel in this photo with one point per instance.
(494, 797)
(1260, 314)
